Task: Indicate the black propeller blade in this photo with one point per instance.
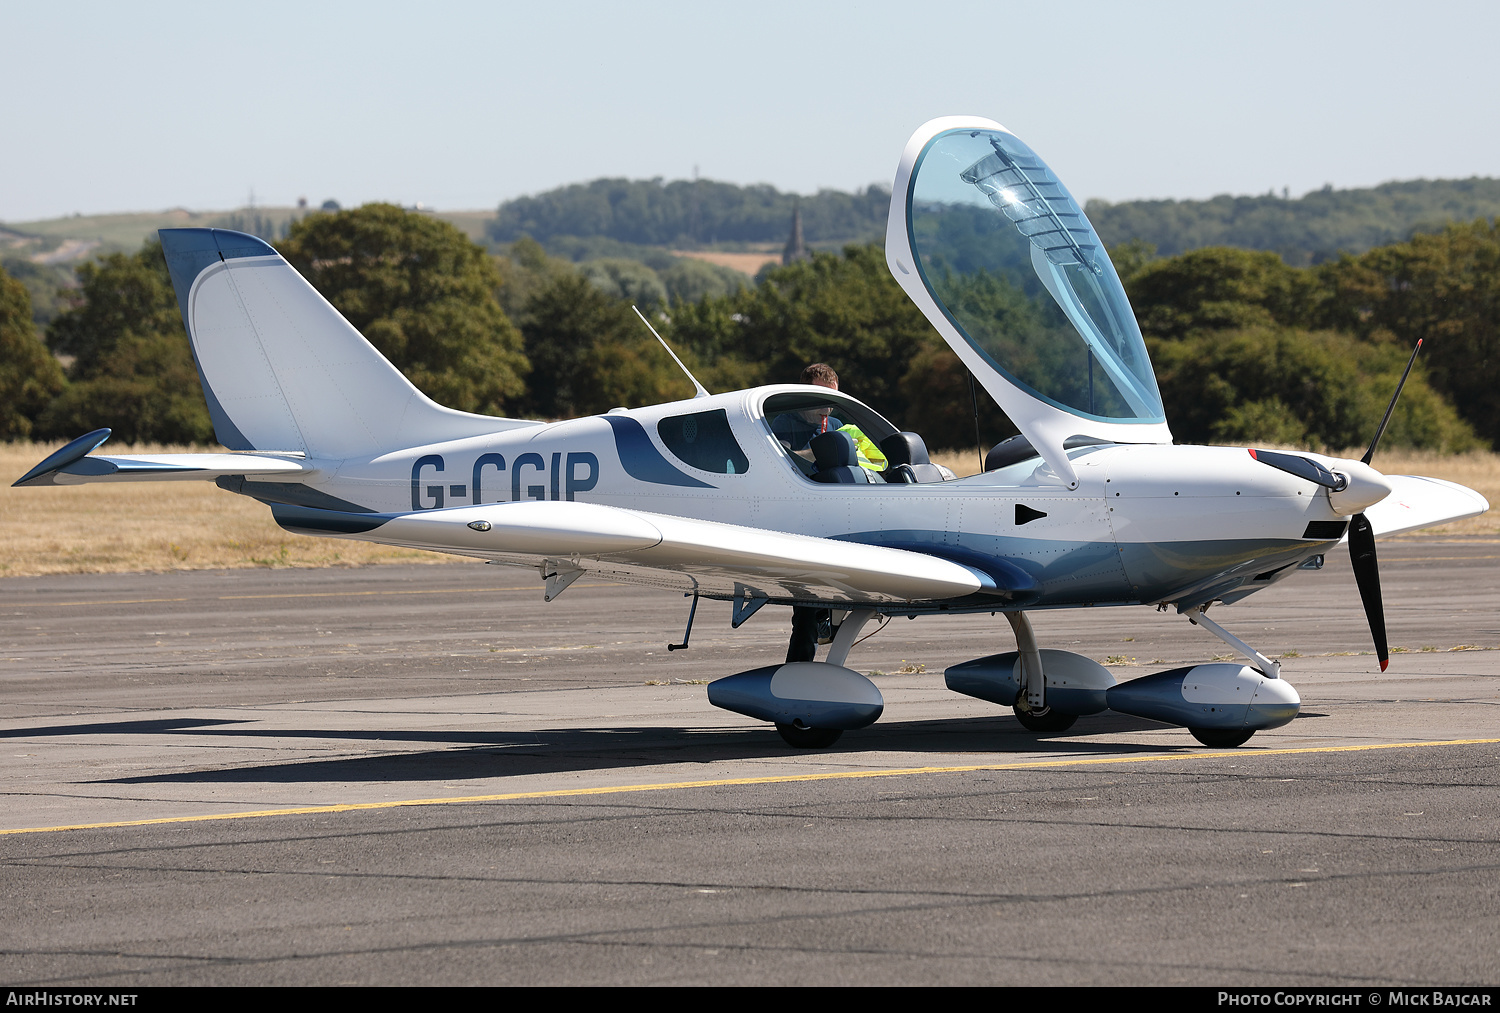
(1362, 540)
(1367, 578)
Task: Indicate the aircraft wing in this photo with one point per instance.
(706, 557)
(1416, 502)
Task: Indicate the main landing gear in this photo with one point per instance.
(811, 703)
(799, 737)
(1049, 720)
(1222, 738)
(1221, 704)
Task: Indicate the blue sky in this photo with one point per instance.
(117, 107)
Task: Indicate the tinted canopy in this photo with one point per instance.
(1010, 259)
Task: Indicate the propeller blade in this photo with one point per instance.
(1379, 432)
(1367, 578)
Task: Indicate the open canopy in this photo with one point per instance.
(1015, 266)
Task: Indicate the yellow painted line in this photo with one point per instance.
(851, 775)
(308, 594)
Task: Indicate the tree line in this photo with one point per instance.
(1313, 229)
(1246, 347)
(689, 213)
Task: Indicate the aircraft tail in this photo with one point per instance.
(282, 370)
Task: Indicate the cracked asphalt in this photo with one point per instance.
(426, 775)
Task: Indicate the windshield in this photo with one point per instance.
(1010, 258)
(796, 419)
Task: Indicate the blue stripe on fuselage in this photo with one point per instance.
(640, 458)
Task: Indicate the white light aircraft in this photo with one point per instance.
(765, 497)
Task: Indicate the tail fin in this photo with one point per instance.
(282, 369)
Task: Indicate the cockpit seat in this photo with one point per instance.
(907, 460)
(838, 460)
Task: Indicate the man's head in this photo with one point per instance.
(822, 375)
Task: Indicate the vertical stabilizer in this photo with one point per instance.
(282, 369)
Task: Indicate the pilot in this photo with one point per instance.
(795, 430)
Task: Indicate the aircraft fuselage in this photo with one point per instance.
(1145, 523)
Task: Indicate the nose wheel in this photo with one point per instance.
(1222, 738)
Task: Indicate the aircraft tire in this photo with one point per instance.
(809, 738)
(1048, 721)
(1222, 738)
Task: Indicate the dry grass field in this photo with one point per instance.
(194, 526)
(746, 263)
(154, 526)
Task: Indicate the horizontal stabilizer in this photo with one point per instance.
(1416, 502)
(706, 556)
(72, 465)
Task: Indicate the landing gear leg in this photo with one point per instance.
(798, 735)
(1228, 738)
(1031, 704)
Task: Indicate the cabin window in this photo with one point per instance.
(704, 441)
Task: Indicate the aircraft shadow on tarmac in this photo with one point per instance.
(482, 754)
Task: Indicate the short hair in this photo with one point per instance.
(822, 374)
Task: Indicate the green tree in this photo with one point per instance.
(844, 310)
(29, 376)
(1286, 385)
(423, 294)
(689, 280)
(47, 284)
(1218, 288)
(132, 369)
(1443, 289)
(629, 280)
(589, 353)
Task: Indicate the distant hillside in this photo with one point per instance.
(1307, 230)
(689, 213)
(42, 254)
(79, 237)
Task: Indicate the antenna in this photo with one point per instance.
(696, 385)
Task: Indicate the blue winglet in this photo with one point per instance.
(56, 461)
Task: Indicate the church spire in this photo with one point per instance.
(796, 249)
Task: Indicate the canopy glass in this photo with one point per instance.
(1011, 260)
